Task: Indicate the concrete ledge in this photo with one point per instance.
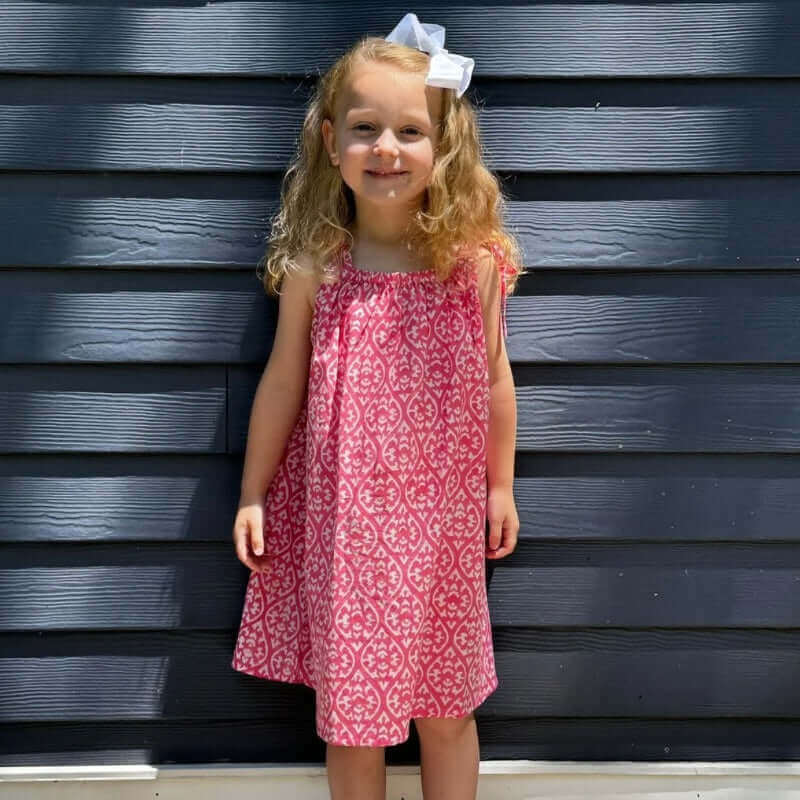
(499, 780)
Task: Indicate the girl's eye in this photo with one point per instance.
(369, 127)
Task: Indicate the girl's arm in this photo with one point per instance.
(502, 399)
(282, 388)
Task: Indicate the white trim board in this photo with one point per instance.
(499, 780)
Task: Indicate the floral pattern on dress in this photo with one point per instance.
(375, 519)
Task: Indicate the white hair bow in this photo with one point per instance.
(446, 70)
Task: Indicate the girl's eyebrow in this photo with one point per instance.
(413, 117)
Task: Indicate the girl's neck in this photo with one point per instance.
(388, 239)
(383, 225)
(383, 256)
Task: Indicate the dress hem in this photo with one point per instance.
(471, 706)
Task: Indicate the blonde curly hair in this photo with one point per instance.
(463, 206)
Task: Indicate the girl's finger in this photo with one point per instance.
(257, 540)
(508, 545)
(495, 533)
(243, 554)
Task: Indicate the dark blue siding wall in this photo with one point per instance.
(651, 610)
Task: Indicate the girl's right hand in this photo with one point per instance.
(248, 537)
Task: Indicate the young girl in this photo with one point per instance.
(382, 432)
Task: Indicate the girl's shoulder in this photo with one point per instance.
(492, 273)
(486, 259)
(305, 270)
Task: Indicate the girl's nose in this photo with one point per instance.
(386, 143)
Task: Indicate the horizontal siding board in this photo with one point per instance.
(672, 318)
(272, 739)
(568, 222)
(91, 223)
(700, 409)
(294, 740)
(553, 39)
(190, 677)
(645, 230)
(121, 588)
(176, 324)
(118, 498)
(642, 596)
(630, 408)
(112, 408)
(666, 740)
(621, 508)
(168, 587)
(674, 685)
(174, 501)
(228, 136)
(96, 316)
(615, 138)
(183, 682)
(688, 559)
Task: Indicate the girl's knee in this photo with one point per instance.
(443, 728)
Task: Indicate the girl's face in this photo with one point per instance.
(387, 121)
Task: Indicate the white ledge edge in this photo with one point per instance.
(113, 772)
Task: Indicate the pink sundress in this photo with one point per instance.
(376, 516)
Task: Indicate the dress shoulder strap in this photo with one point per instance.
(504, 269)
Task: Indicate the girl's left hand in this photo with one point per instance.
(503, 523)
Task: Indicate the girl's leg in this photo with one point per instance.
(449, 757)
(356, 773)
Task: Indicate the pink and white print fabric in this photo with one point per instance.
(375, 518)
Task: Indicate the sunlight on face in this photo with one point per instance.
(387, 121)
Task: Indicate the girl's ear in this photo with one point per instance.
(329, 138)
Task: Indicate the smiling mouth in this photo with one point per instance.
(384, 174)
